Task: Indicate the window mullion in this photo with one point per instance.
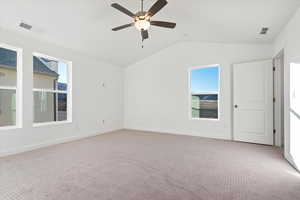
(50, 91)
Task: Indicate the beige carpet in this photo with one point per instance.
(130, 165)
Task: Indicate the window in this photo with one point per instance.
(51, 93)
(9, 82)
(294, 111)
(204, 92)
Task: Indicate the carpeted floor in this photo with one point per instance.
(131, 165)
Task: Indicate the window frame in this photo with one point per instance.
(68, 92)
(18, 88)
(190, 92)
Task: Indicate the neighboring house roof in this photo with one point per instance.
(8, 60)
(211, 97)
(41, 67)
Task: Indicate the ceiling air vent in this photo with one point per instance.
(25, 26)
(264, 30)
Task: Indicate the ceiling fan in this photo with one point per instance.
(142, 19)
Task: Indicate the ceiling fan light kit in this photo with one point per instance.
(142, 24)
(142, 20)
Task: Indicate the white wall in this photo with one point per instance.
(156, 89)
(91, 102)
(289, 40)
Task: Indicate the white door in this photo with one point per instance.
(253, 102)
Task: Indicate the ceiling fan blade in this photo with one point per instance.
(157, 7)
(163, 24)
(145, 34)
(122, 9)
(122, 27)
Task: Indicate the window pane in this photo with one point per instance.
(45, 73)
(8, 67)
(7, 107)
(205, 92)
(44, 107)
(49, 107)
(62, 107)
(62, 83)
(49, 74)
(205, 106)
(295, 87)
(205, 79)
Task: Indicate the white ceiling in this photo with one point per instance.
(85, 25)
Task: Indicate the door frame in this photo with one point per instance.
(278, 87)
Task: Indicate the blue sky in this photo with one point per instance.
(62, 71)
(205, 79)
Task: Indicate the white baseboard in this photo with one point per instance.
(50, 143)
(213, 136)
(290, 159)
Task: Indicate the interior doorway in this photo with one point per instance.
(278, 72)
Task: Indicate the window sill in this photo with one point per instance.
(51, 123)
(205, 119)
(5, 128)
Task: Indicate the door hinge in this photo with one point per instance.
(274, 131)
(274, 99)
(274, 69)
(274, 65)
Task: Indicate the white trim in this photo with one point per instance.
(49, 57)
(203, 66)
(190, 92)
(184, 133)
(200, 93)
(51, 123)
(18, 88)
(8, 127)
(278, 94)
(287, 111)
(6, 46)
(290, 159)
(7, 88)
(50, 91)
(19, 92)
(207, 119)
(27, 148)
(68, 92)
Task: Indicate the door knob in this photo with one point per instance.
(236, 106)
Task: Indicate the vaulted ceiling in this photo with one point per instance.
(85, 25)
